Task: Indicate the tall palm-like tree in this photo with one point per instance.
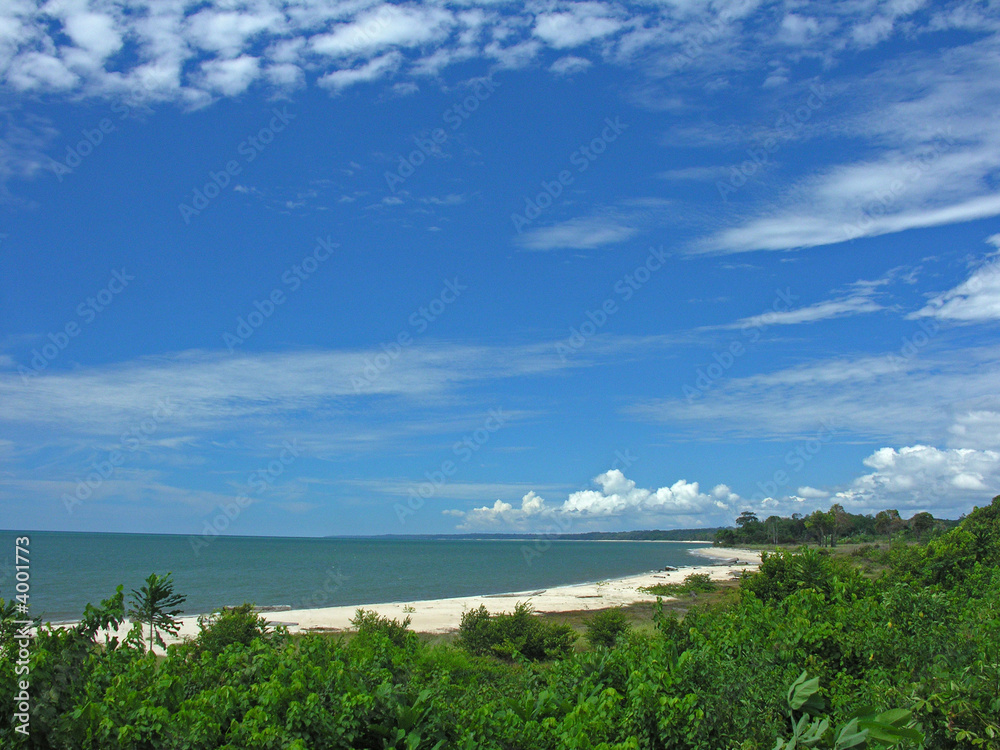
(157, 605)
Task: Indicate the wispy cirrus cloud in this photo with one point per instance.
(936, 153)
(585, 233)
(975, 300)
(212, 389)
(941, 396)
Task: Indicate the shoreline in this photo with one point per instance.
(745, 556)
(440, 616)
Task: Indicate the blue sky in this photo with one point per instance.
(355, 268)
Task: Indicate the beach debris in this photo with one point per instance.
(668, 568)
(273, 608)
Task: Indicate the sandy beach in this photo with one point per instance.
(445, 615)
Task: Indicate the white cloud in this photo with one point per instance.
(37, 70)
(94, 32)
(514, 56)
(569, 65)
(230, 77)
(63, 45)
(229, 32)
(285, 75)
(946, 482)
(811, 493)
(580, 234)
(695, 174)
(919, 392)
(975, 300)
(584, 23)
(922, 477)
(211, 390)
(826, 310)
(388, 26)
(370, 71)
(820, 227)
(797, 30)
(618, 497)
(937, 152)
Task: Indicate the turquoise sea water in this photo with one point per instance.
(68, 570)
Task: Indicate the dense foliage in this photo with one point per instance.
(229, 625)
(809, 652)
(829, 527)
(510, 634)
(607, 626)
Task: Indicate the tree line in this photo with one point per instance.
(827, 528)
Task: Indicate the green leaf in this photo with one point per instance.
(894, 716)
(802, 690)
(850, 735)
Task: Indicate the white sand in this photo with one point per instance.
(445, 615)
(749, 556)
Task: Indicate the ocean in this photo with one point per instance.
(68, 570)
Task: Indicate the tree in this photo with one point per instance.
(772, 525)
(157, 605)
(841, 521)
(820, 524)
(725, 537)
(888, 521)
(920, 523)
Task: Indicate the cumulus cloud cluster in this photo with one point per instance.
(923, 477)
(916, 478)
(618, 496)
(192, 52)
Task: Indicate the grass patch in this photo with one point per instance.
(695, 583)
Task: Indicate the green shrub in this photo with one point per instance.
(519, 632)
(694, 583)
(604, 628)
(369, 623)
(783, 573)
(240, 624)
